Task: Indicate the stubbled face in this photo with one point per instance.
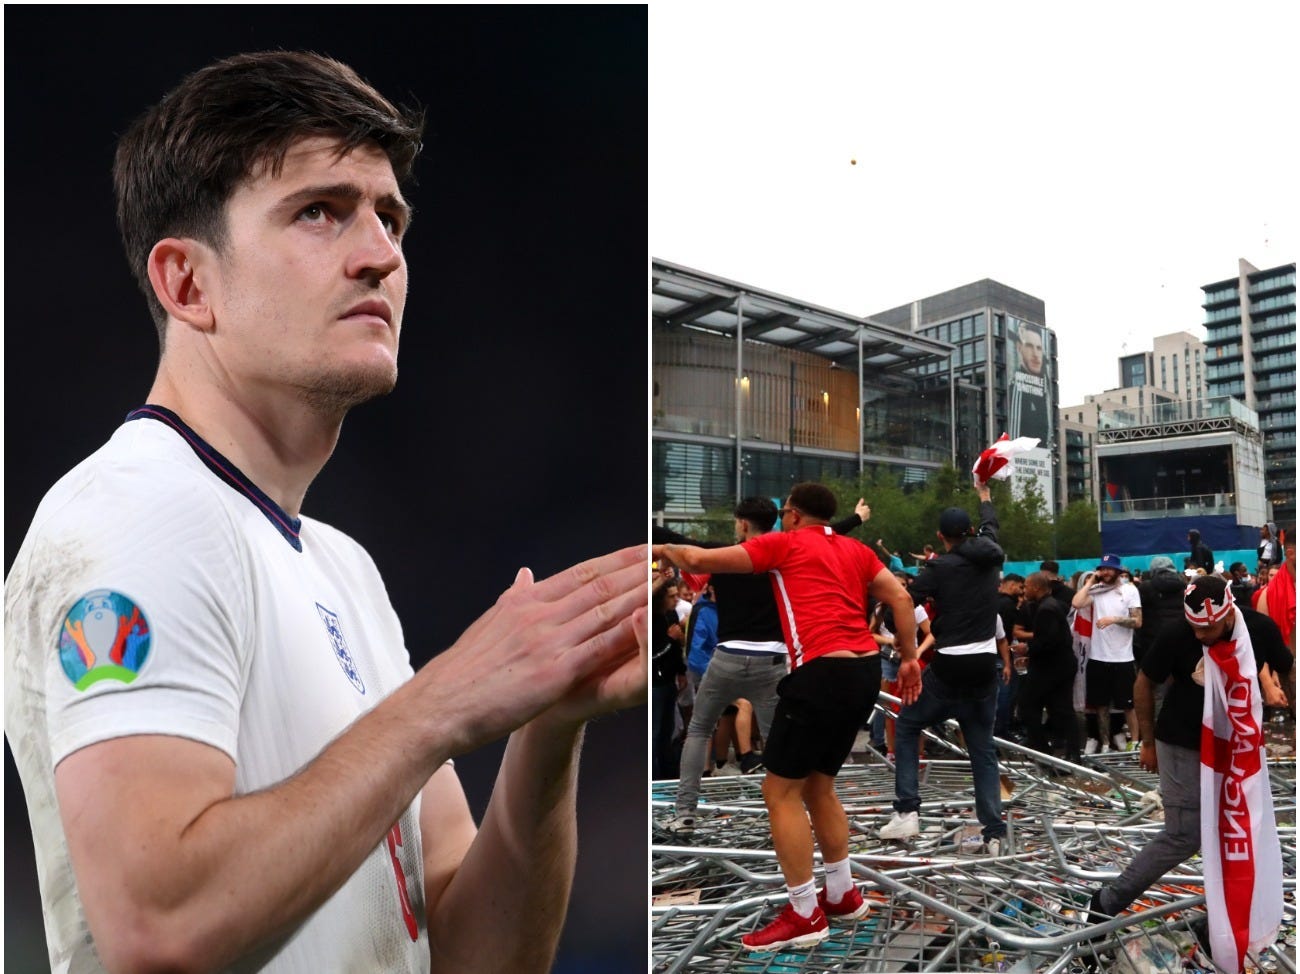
(1031, 351)
(308, 290)
(1107, 576)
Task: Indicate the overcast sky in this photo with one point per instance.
(1109, 160)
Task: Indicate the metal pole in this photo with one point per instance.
(740, 365)
(952, 407)
(792, 422)
(860, 417)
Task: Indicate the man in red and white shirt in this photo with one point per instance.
(821, 581)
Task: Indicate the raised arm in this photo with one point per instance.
(988, 514)
(1083, 597)
(195, 877)
(733, 559)
(860, 516)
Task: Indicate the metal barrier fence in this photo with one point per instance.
(938, 902)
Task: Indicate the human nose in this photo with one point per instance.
(375, 253)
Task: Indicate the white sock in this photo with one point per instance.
(804, 898)
(838, 880)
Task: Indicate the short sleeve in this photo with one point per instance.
(1266, 640)
(141, 627)
(767, 550)
(1157, 662)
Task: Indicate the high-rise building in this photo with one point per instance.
(1250, 356)
(1006, 363)
(1175, 364)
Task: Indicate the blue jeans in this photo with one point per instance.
(973, 708)
(888, 673)
(1007, 693)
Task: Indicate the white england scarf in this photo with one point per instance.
(1239, 843)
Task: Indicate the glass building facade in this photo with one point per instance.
(754, 392)
(1250, 355)
(1005, 363)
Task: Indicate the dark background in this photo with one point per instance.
(517, 434)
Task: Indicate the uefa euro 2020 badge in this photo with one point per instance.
(104, 636)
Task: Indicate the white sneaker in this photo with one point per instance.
(1091, 746)
(1121, 742)
(1106, 749)
(680, 825)
(901, 826)
(993, 847)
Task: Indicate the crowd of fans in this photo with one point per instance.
(1054, 664)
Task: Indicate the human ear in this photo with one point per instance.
(173, 271)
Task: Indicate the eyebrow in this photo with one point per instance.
(350, 192)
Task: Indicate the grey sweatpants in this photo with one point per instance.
(1180, 791)
(728, 677)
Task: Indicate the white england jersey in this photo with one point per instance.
(158, 591)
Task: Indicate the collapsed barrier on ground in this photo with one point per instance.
(939, 903)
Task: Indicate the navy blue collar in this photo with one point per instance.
(289, 527)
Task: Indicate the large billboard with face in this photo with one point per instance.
(1029, 402)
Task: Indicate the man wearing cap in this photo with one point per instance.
(1116, 613)
(962, 679)
(1171, 744)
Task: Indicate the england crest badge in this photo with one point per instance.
(340, 645)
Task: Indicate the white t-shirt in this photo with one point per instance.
(1114, 644)
(159, 592)
(683, 609)
(919, 615)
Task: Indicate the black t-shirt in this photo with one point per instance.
(1176, 652)
(668, 661)
(1009, 610)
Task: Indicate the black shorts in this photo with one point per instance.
(1109, 684)
(822, 706)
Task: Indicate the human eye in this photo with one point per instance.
(313, 213)
(393, 223)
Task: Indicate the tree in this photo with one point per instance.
(1026, 525)
(1077, 534)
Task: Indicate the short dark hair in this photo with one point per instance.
(1051, 567)
(1039, 581)
(1013, 577)
(179, 162)
(758, 511)
(815, 500)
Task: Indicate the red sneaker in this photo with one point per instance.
(789, 929)
(850, 907)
